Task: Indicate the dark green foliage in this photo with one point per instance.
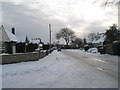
(20, 47)
(46, 46)
(112, 34)
(101, 49)
(116, 48)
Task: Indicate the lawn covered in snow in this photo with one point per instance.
(55, 71)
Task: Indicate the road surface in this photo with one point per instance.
(107, 67)
(65, 69)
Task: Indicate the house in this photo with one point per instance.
(99, 40)
(8, 40)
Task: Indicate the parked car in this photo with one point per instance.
(92, 50)
(59, 49)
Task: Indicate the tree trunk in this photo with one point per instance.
(67, 43)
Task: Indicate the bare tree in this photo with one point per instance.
(67, 34)
(106, 2)
(113, 1)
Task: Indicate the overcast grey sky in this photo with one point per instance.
(31, 18)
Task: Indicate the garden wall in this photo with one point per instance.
(109, 49)
(24, 57)
(113, 49)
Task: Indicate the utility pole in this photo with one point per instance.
(50, 34)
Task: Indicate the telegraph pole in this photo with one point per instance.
(50, 34)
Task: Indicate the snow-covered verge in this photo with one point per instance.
(113, 58)
(55, 71)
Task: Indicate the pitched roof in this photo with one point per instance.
(101, 39)
(7, 36)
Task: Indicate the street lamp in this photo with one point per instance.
(26, 43)
(26, 47)
(40, 47)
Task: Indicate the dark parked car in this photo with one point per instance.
(59, 49)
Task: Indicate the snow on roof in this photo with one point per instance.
(101, 38)
(88, 41)
(7, 36)
(35, 41)
(11, 36)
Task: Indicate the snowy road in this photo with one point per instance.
(108, 67)
(66, 69)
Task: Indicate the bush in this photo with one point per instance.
(86, 47)
(116, 48)
(20, 47)
(102, 49)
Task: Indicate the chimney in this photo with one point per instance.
(13, 31)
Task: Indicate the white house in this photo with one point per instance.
(7, 37)
(99, 40)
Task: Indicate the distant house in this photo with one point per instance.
(99, 40)
(8, 40)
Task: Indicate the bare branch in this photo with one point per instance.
(66, 33)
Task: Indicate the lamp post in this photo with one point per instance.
(26, 43)
(40, 46)
(26, 47)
